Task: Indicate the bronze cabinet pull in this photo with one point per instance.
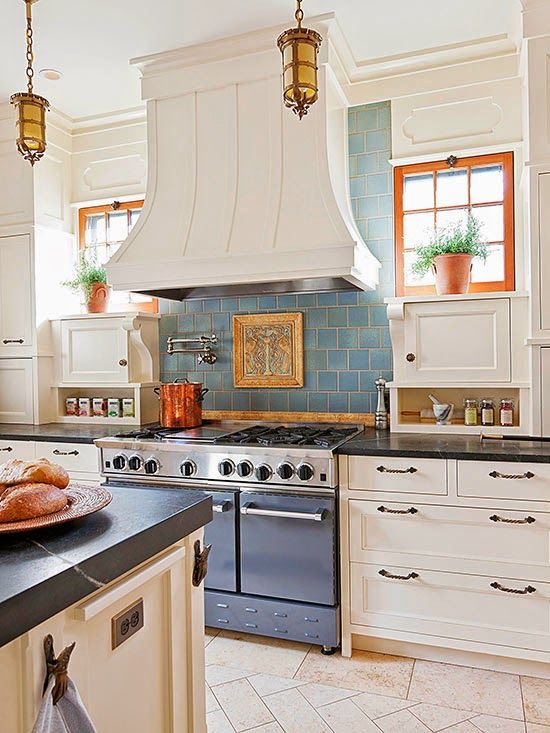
(517, 591)
(123, 362)
(527, 520)
(410, 357)
(13, 341)
(6, 450)
(65, 452)
(497, 474)
(410, 510)
(383, 469)
(200, 565)
(387, 574)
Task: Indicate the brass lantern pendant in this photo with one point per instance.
(299, 47)
(31, 108)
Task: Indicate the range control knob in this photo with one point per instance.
(119, 462)
(244, 469)
(188, 468)
(285, 470)
(305, 472)
(134, 463)
(263, 472)
(151, 465)
(226, 467)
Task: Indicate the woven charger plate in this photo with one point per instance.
(83, 500)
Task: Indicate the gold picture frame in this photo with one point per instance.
(268, 350)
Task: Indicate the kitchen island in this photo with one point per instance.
(75, 580)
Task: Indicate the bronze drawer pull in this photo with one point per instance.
(6, 450)
(410, 510)
(497, 474)
(13, 341)
(383, 469)
(387, 574)
(504, 589)
(527, 520)
(65, 452)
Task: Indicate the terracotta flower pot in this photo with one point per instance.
(98, 302)
(452, 273)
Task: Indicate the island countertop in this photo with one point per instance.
(431, 445)
(57, 432)
(45, 571)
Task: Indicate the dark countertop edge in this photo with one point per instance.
(54, 432)
(512, 454)
(73, 584)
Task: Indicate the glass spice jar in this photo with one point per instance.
(506, 412)
(487, 412)
(470, 412)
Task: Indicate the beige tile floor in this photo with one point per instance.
(264, 685)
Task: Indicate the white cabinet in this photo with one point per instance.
(457, 341)
(16, 313)
(107, 348)
(81, 460)
(22, 449)
(398, 475)
(545, 389)
(16, 391)
(544, 244)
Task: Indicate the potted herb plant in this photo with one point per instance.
(90, 279)
(449, 253)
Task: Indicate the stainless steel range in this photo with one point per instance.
(273, 569)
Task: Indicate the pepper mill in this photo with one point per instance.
(381, 414)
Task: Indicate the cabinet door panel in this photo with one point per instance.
(94, 351)
(16, 330)
(544, 239)
(23, 449)
(452, 605)
(77, 457)
(462, 540)
(398, 475)
(504, 480)
(16, 392)
(458, 341)
(545, 389)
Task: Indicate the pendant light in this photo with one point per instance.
(299, 48)
(31, 108)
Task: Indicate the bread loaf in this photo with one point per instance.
(30, 500)
(40, 471)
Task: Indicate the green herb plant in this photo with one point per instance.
(87, 272)
(458, 238)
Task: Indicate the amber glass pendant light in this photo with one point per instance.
(299, 47)
(31, 108)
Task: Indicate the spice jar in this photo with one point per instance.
(506, 412)
(470, 412)
(487, 412)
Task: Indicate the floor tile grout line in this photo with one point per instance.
(522, 703)
(410, 679)
(302, 662)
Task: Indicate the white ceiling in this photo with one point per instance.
(91, 41)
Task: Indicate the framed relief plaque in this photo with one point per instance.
(268, 350)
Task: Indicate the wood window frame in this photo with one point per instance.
(144, 306)
(507, 162)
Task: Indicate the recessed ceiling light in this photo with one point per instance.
(50, 74)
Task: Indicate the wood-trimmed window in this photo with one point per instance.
(102, 229)
(438, 194)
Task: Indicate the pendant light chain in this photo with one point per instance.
(299, 14)
(30, 55)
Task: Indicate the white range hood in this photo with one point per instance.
(241, 195)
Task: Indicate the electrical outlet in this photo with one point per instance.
(126, 623)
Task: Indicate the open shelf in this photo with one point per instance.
(146, 402)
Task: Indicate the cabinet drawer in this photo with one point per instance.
(452, 605)
(398, 475)
(504, 480)
(478, 541)
(77, 457)
(23, 449)
(16, 391)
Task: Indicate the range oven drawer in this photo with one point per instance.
(268, 617)
(221, 533)
(288, 546)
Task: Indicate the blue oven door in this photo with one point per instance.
(289, 546)
(221, 533)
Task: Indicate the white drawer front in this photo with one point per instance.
(79, 457)
(478, 541)
(487, 479)
(398, 475)
(23, 449)
(452, 605)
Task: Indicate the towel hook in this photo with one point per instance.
(58, 667)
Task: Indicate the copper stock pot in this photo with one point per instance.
(181, 403)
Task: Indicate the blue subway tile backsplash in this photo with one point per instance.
(346, 333)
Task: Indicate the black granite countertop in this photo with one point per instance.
(46, 571)
(432, 445)
(62, 432)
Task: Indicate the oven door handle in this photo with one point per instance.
(317, 516)
(222, 506)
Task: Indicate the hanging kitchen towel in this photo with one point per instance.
(68, 716)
